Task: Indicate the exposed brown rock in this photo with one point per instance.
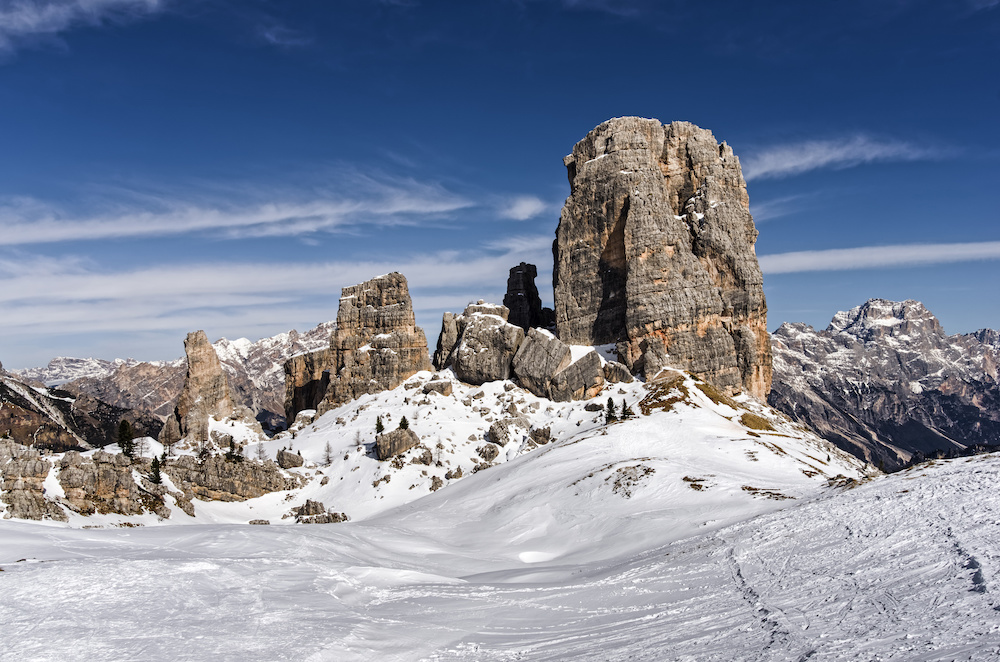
(377, 345)
(655, 251)
(55, 420)
(205, 395)
(23, 472)
(543, 366)
(307, 377)
(393, 443)
(289, 460)
(479, 345)
(216, 478)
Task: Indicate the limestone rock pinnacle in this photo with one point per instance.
(205, 394)
(655, 252)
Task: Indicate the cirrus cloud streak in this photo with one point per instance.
(878, 257)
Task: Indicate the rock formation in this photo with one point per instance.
(885, 383)
(544, 365)
(307, 377)
(377, 344)
(479, 345)
(23, 471)
(655, 252)
(522, 299)
(393, 443)
(205, 395)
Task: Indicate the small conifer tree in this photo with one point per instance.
(611, 413)
(154, 472)
(404, 424)
(125, 438)
(327, 454)
(379, 427)
(627, 412)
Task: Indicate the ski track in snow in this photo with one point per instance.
(901, 568)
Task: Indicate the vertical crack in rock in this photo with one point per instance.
(655, 252)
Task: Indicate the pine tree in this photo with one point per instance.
(404, 424)
(125, 439)
(154, 472)
(261, 454)
(379, 427)
(327, 454)
(611, 412)
(627, 412)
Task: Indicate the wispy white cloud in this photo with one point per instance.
(878, 257)
(284, 37)
(797, 158)
(767, 210)
(22, 19)
(523, 207)
(282, 213)
(42, 297)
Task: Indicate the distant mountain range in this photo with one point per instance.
(255, 371)
(886, 383)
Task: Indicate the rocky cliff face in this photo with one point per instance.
(885, 382)
(254, 370)
(377, 344)
(655, 252)
(205, 394)
(57, 420)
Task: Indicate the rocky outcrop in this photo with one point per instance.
(544, 365)
(377, 344)
(479, 345)
(307, 377)
(218, 478)
(522, 299)
(23, 471)
(56, 420)
(205, 395)
(314, 512)
(885, 382)
(289, 460)
(104, 484)
(393, 443)
(655, 252)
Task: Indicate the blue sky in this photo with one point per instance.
(170, 165)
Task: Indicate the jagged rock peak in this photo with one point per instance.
(877, 318)
(655, 252)
(205, 394)
(377, 344)
(523, 301)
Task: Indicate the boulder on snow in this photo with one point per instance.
(442, 386)
(393, 443)
(289, 460)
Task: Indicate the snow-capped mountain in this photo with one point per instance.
(64, 369)
(255, 371)
(885, 382)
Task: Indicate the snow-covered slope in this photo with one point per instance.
(901, 568)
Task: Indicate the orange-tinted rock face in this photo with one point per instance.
(377, 344)
(655, 252)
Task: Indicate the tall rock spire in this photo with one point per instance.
(655, 252)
